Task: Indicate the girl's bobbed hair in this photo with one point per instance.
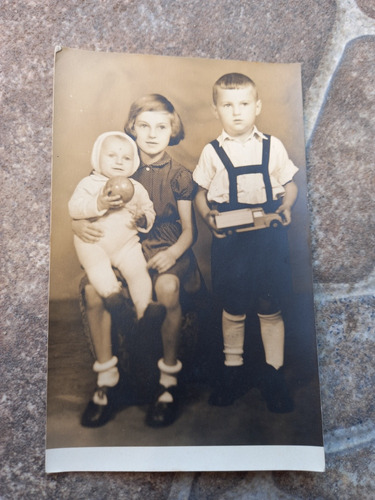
(155, 102)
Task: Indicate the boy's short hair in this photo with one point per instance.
(155, 102)
(232, 81)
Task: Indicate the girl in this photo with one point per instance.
(154, 124)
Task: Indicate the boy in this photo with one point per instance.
(244, 168)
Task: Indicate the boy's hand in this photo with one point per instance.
(87, 231)
(105, 202)
(162, 261)
(288, 201)
(286, 213)
(211, 223)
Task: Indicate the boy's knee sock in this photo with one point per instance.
(168, 378)
(273, 334)
(233, 336)
(108, 375)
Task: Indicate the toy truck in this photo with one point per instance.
(247, 219)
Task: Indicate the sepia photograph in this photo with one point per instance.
(181, 312)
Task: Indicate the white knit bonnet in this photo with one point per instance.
(98, 146)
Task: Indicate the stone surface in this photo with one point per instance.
(217, 29)
(367, 7)
(340, 173)
(280, 31)
(346, 346)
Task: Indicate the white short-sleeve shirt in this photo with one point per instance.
(211, 174)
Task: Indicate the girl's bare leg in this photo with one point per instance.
(100, 408)
(99, 320)
(167, 290)
(163, 411)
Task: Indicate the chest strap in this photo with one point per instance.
(234, 172)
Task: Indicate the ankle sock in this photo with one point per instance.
(168, 378)
(273, 333)
(108, 375)
(233, 336)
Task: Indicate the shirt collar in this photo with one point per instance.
(158, 164)
(255, 133)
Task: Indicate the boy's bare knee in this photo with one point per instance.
(167, 288)
(267, 304)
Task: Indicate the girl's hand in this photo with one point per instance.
(106, 202)
(162, 261)
(87, 231)
(286, 213)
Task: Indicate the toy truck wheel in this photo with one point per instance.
(275, 224)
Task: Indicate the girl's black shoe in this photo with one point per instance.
(163, 414)
(97, 415)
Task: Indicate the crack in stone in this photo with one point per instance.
(334, 291)
(181, 486)
(341, 440)
(350, 23)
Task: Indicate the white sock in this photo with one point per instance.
(108, 375)
(168, 378)
(273, 334)
(233, 336)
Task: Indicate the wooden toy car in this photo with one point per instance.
(247, 219)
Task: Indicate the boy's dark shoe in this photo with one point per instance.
(230, 386)
(163, 414)
(98, 415)
(275, 391)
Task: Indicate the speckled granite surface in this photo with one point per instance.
(335, 41)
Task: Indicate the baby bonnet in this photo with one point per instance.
(98, 146)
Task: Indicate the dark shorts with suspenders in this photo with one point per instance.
(249, 265)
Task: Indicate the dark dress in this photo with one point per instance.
(167, 182)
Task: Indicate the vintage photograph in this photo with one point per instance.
(181, 320)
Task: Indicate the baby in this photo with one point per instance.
(114, 154)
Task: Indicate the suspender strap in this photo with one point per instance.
(234, 172)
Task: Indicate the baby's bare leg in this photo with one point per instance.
(132, 265)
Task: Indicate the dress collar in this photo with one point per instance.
(254, 133)
(158, 164)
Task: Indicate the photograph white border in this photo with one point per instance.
(186, 458)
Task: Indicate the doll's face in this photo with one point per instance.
(237, 110)
(116, 157)
(152, 130)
